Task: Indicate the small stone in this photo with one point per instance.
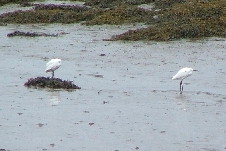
(90, 124)
(102, 54)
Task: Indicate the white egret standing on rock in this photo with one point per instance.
(52, 65)
(182, 74)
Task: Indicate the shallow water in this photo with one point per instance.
(127, 101)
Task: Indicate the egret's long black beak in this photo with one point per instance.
(195, 70)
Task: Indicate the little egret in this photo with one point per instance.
(182, 74)
(52, 65)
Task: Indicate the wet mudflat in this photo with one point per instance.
(127, 99)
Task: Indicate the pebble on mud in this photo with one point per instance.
(102, 54)
(90, 124)
(47, 82)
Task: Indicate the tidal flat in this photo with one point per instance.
(127, 101)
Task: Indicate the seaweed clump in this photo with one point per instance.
(47, 14)
(115, 3)
(53, 83)
(121, 15)
(30, 34)
(51, 13)
(183, 19)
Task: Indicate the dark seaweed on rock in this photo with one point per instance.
(76, 8)
(47, 82)
(183, 19)
(29, 34)
(113, 3)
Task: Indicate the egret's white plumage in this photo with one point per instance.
(52, 65)
(181, 75)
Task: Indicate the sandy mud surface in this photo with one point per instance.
(127, 100)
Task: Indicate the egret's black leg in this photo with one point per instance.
(181, 87)
(52, 74)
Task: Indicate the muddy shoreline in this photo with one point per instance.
(165, 20)
(127, 102)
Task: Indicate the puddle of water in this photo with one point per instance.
(127, 101)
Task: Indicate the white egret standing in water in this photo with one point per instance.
(181, 75)
(52, 65)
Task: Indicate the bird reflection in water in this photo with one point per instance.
(54, 97)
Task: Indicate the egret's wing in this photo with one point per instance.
(53, 65)
(181, 74)
(50, 65)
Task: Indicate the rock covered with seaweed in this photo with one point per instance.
(30, 34)
(47, 82)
